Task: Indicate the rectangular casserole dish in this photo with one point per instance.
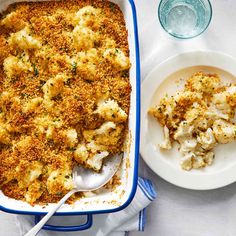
(104, 202)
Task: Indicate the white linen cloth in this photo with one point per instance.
(181, 212)
(119, 223)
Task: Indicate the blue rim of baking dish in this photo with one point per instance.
(137, 136)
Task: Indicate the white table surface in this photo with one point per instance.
(176, 211)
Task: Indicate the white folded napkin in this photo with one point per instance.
(132, 218)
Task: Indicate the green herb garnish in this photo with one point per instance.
(112, 6)
(36, 71)
(71, 149)
(74, 67)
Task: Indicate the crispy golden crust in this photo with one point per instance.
(51, 85)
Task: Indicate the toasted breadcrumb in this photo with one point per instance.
(58, 61)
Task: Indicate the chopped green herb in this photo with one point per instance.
(36, 72)
(56, 119)
(74, 67)
(77, 97)
(112, 6)
(59, 194)
(68, 82)
(42, 82)
(71, 149)
(24, 95)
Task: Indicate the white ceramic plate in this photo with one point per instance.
(168, 77)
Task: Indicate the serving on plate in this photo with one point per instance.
(91, 43)
(171, 81)
(198, 117)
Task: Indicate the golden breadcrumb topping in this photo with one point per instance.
(198, 117)
(64, 93)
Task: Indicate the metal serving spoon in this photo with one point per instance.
(84, 180)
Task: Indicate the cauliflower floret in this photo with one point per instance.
(184, 131)
(166, 144)
(13, 65)
(212, 114)
(105, 128)
(188, 145)
(4, 135)
(13, 20)
(86, 16)
(186, 161)
(198, 162)
(220, 101)
(31, 172)
(81, 153)
(107, 135)
(84, 38)
(60, 180)
(71, 136)
(34, 192)
(224, 131)
(207, 139)
(53, 86)
(46, 123)
(95, 161)
(91, 155)
(117, 58)
(203, 83)
(194, 113)
(32, 104)
(208, 158)
(110, 111)
(23, 40)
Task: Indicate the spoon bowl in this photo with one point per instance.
(89, 180)
(84, 180)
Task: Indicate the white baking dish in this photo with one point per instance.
(105, 201)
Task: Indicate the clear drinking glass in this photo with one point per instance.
(185, 18)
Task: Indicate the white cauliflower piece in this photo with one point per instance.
(186, 161)
(91, 155)
(105, 127)
(71, 136)
(59, 180)
(13, 65)
(188, 145)
(207, 139)
(220, 101)
(53, 86)
(86, 16)
(34, 192)
(84, 38)
(198, 162)
(209, 157)
(224, 131)
(23, 40)
(111, 111)
(166, 144)
(212, 113)
(184, 130)
(81, 153)
(117, 58)
(96, 160)
(32, 104)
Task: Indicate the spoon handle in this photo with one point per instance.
(44, 220)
